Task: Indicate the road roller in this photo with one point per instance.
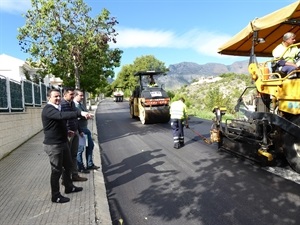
(149, 102)
(265, 129)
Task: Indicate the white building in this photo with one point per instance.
(15, 69)
(52, 80)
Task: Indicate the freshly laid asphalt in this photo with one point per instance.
(25, 197)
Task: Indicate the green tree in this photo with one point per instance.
(64, 40)
(126, 76)
(215, 97)
(171, 94)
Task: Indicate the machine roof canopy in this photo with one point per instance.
(271, 28)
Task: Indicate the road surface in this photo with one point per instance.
(150, 182)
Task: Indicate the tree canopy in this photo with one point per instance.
(63, 40)
(126, 78)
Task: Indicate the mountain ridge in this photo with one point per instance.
(185, 73)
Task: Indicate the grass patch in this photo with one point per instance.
(209, 115)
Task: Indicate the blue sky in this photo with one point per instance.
(173, 31)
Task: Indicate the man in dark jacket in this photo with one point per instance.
(67, 105)
(56, 145)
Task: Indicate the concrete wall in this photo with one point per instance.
(17, 128)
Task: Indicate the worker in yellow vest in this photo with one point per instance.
(152, 82)
(179, 115)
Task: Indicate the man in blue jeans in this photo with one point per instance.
(83, 124)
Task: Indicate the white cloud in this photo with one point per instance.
(15, 6)
(136, 38)
(203, 42)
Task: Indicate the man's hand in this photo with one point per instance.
(91, 116)
(87, 115)
(71, 133)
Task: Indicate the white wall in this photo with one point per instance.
(12, 67)
(17, 128)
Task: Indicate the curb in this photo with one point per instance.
(102, 213)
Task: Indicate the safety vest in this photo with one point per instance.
(153, 85)
(289, 55)
(178, 110)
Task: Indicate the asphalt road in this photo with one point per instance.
(150, 182)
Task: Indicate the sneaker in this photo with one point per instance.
(84, 171)
(93, 167)
(78, 178)
(293, 76)
(60, 199)
(73, 190)
(181, 144)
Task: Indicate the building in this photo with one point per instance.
(15, 69)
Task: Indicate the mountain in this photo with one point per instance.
(185, 73)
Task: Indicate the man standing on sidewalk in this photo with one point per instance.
(83, 124)
(67, 105)
(56, 145)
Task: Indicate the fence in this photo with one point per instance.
(14, 96)
(20, 112)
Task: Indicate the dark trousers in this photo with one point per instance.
(288, 69)
(73, 145)
(177, 130)
(60, 161)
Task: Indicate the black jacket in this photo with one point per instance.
(72, 124)
(54, 124)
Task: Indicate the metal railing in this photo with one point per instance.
(14, 95)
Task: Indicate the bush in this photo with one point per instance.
(203, 97)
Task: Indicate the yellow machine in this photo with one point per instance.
(269, 132)
(149, 102)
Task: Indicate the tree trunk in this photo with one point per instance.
(77, 80)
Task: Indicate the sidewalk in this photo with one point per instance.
(25, 190)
